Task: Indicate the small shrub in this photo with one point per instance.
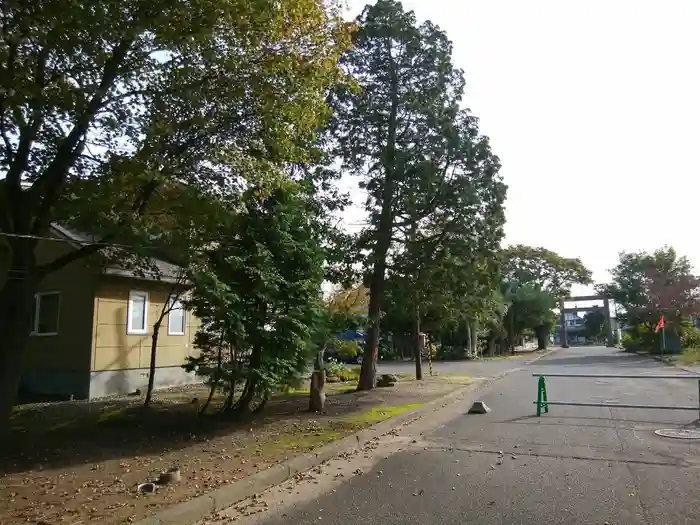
(690, 337)
(334, 367)
(343, 372)
(629, 342)
(349, 374)
(347, 349)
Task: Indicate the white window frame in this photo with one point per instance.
(37, 310)
(172, 302)
(129, 328)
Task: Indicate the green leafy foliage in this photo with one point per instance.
(347, 349)
(544, 268)
(108, 107)
(260, 298)
(534, 279)
(646, 286)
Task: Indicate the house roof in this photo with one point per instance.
(163, 270)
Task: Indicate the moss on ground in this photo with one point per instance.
(378, 414)
(456, 378)
(298, 442)
(305, 440)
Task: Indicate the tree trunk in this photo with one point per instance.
(511, 332)
(368, 372)
(243, 404)
(217, 375)
(542, 333)
(474, 339)
(16, 304)
(232, 379)
(417, 346)
(468, 342)
(205, 406)
(251, 384)
(152, 364)
(317, 394)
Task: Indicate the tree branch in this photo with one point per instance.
(139, 207)
(28, 130)
(46, 189)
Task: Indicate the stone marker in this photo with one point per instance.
(479, 407)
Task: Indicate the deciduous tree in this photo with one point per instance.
(260, 298)
(646, 286)
(534, 279)
(104, 103)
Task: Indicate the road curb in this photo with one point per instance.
(198, 508)
(665, 361)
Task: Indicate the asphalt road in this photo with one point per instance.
(574, 465)
(475, 368)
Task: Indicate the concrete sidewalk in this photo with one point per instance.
(575, 465)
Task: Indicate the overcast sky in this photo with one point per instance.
(593, 107)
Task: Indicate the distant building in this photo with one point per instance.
(575, 329)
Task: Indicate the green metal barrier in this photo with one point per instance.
(542, 400)
(542, 396)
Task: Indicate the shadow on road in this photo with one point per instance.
(618, 359)
(580, 421)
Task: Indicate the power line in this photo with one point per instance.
(57, 239)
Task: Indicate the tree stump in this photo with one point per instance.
(317, 395)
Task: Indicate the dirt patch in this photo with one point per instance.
(79, 462)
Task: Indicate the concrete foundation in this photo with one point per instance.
(121, 382)
(53, 384)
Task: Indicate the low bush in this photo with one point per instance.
(341, 371)
(690, 337)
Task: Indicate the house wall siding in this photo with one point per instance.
(120, 361)
(59, 365)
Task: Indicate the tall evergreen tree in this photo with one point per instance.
(402, 132)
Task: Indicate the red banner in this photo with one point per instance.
(659, 325)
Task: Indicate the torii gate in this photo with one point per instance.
(563, 310)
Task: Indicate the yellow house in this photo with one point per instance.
(92, 328)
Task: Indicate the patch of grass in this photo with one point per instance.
(379, 414)
(690, 356)
(111, 415)
(298, 442)
(19, 411)
(63, 424)
(307, 439)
